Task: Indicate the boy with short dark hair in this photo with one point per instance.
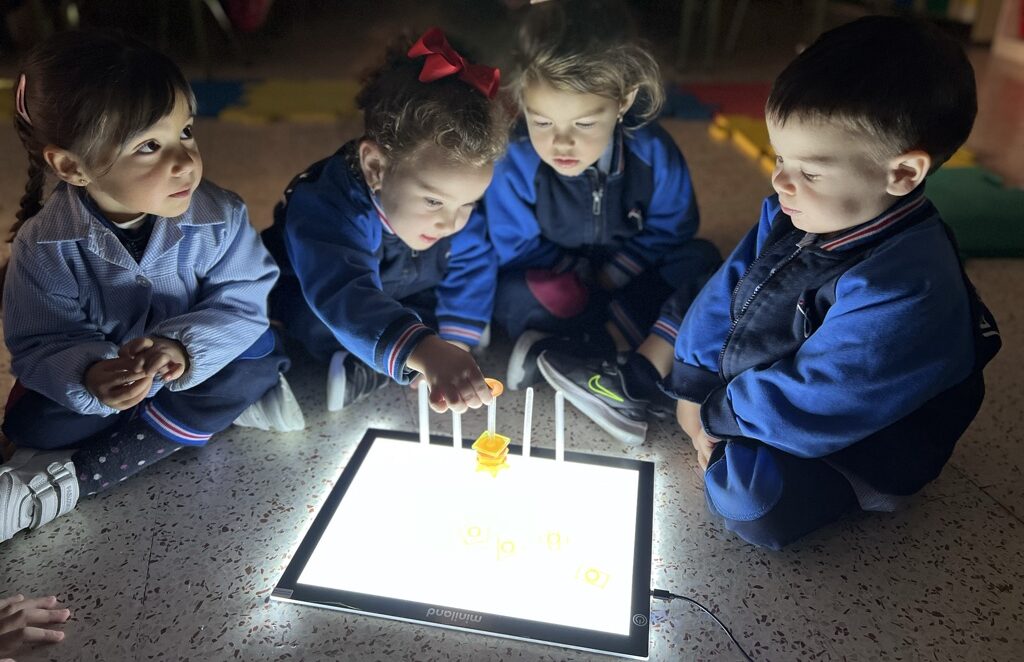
(836, 357)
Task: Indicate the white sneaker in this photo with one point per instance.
(522, 362)
(277, 410)
(349, 380)
(35, 488)
(336, 381)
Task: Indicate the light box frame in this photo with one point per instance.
(635, 644)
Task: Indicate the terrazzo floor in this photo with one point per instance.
(178, 563)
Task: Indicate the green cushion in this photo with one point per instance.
(987, 218)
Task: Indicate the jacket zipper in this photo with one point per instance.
(597, 194)
(806, 240)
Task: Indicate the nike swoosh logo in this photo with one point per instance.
(594, 384)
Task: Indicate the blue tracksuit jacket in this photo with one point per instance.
(353, 270)
(811, 345)
(629, 219)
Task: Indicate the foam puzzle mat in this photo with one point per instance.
(986, 216)
(325, 100)
(256, 101)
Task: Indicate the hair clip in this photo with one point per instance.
(19, 101)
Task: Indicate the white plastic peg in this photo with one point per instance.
(424, 413)
(559, 426)
(528, 422)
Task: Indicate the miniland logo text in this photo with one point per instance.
(450, 615)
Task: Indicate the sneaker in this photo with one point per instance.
(350, 380)
(522, 363)
(596, 387)
(277, 410)
(35, 488)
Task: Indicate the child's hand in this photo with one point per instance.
(415, 383)
(688, 416)
(118, 383)
(21, 618)
(157, 356)
(452, 374)
(704, 444)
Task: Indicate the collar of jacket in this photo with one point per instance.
(909, 207)
(71, 216)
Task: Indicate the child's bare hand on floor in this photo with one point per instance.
(452, 374)
(23, 621)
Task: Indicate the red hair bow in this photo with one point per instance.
(442, 60)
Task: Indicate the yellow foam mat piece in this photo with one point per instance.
(750, 136)
(962, 158)
(322, 100)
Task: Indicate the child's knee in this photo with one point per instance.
(770, 498)
(538, 299)
(743, 481)
(763, 532)
(35, 427)
(32, 420)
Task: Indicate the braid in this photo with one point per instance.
(32, 200)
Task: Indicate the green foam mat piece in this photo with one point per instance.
(987, 217)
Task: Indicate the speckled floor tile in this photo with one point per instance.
(211, 531)
(991, 454)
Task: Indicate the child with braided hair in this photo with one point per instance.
(135, 299)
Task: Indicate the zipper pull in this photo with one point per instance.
(801, 307)
(597, 201)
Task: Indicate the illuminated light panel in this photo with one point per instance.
(549, 551)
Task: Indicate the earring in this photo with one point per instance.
(83, 181)
(619, 121)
